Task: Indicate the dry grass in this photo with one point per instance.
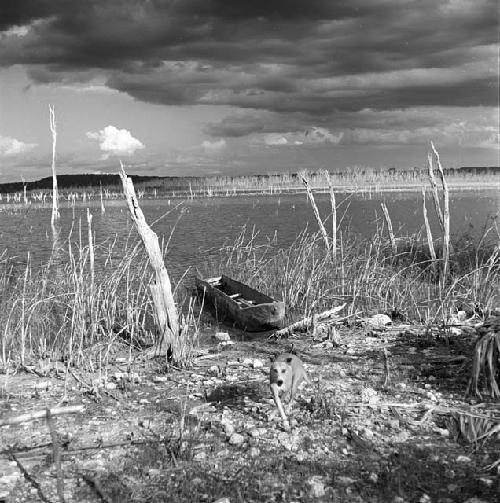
(368, 276)
(58, 312)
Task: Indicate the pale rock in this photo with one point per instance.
(254, 452)
(300, 456)
(257, 364)
(442, 431)
(367, 433)
(425, 498)
(316, 485)
(144, 401)
(486, 481)
(200, 456)
(393, 423)
(475, 500)
(344, 481)
(323, 345)
(379, 320)
(224, 344)
(236, 439)
(214, 370)
(159, 379)
(373, 477)
(228, 427)
(463, 459)
(111, 385)
(42, 385)
(222, 500)
(369, 395)
(222, 336)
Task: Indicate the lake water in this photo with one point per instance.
(202, 225)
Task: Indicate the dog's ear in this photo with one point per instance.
(289, 360)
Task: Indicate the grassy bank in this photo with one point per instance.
(67, 311)
(369, 276)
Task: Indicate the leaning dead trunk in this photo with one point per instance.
(161, 290)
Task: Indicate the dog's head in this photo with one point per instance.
(280, 370)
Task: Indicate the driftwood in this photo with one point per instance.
(304, 324)
(161, 291)
(56, 411)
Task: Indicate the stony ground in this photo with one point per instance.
(211, 432)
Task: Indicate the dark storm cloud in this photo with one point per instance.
(286, 56)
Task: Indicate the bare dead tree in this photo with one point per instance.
(55, 197)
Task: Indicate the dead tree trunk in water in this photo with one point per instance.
(161, 291)
(55, 196)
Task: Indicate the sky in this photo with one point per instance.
(228, 87)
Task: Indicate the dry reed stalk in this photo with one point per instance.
(91, 249)
(428, 231)
(310, 196)
(55, 197)
(103, 209)
(92, 274)
(23, 311)
(445, 217)
(161, 291)
(389, 228)
(435, 195)
(333, 203)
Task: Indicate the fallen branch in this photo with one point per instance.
(94, 484)
(56, 411)
(307, 322)
(387, 369)
(56, 454)
(30, 479)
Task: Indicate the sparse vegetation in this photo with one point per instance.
(206, 431)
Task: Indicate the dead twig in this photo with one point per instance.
(55, 411)
(387, 370)
(94, 484)
(307, 322)
(29, 478)
(56, 451)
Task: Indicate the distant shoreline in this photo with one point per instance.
(81, 196)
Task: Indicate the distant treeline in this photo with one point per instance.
(356, 175)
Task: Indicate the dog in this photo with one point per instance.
(286, 373)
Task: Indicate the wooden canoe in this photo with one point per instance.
(240, 304)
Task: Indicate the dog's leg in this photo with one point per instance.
(277, 401)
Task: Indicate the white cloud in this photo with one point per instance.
(18, 31)
(275, 139)
(10, 146)
(212, 147)
(313, 135)
(114, 141)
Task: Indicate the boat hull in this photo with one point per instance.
(236, 302)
